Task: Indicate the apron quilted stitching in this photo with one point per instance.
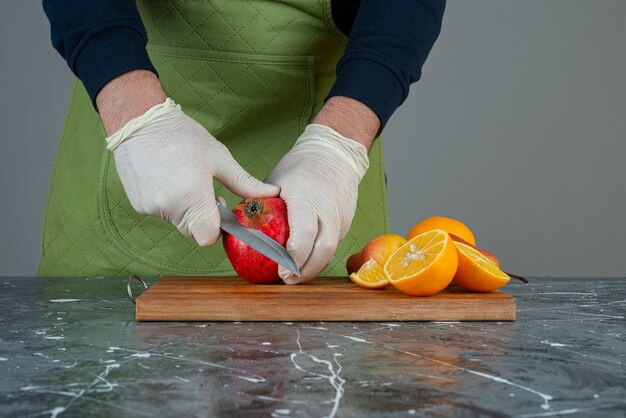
(236, 33)
(288, 141)
(267, 45)
(45, 240)
(205, 103)
(64, 164)
(62, 257)
(157, 25)
(194, 29)
(186, 82)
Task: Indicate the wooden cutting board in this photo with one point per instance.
(321, 299)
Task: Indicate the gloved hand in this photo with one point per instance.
(319, 179)
(166, 162)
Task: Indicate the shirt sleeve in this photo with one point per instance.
(387, 47)
(100, 40)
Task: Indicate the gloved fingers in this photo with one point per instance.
(239, 181)
(323, 251)
(126, 171)
(201, 222)
(303, 223)
(222, 201)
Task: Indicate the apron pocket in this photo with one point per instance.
(257, 105)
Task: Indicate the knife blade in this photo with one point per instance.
(256, 239)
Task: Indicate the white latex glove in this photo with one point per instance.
(319, 179)
(166, 162)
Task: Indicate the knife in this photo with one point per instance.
(256, 239)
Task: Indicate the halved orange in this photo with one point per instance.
(370, 276)
(424, 265)
(476, 272)
(492, 257)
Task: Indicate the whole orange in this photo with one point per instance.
(381, 247)
(451, 226)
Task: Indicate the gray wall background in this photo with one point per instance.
(517, 128)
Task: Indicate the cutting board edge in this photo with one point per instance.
(504, 311)
(504, 318)
(151, 306)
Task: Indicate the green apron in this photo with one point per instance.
(254, 73)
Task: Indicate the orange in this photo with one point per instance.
(451, 226)
(424, 265)
(381, 247)
(370, 276)
(492, 257)
(476, 272)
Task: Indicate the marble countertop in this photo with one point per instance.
(71, 347)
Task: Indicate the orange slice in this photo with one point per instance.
(476, 272)
(424, 265)
(451, 226)
(370, 276)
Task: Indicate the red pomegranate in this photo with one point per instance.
(268, 215)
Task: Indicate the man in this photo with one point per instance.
(295, 91)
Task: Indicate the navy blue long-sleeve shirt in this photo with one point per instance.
(388, 45)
